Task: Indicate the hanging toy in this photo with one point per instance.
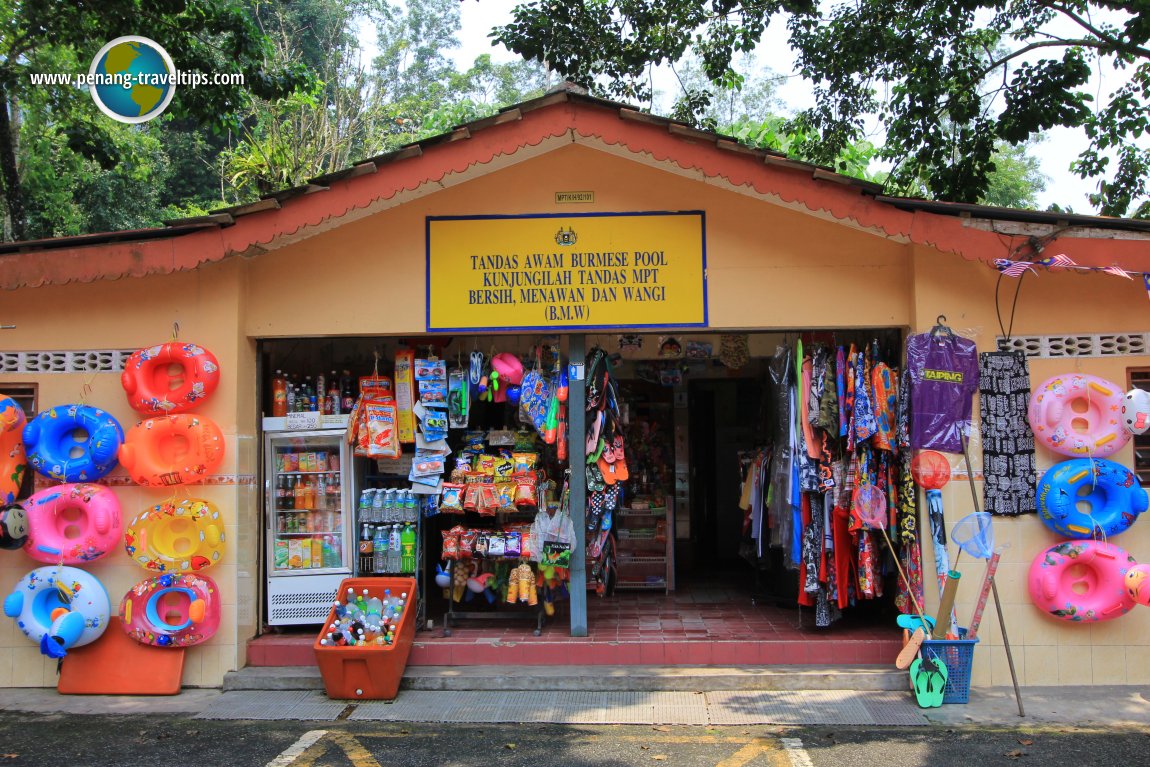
(561, 437)
(442, 577)
(551, 424)
(475, 370)
(1136, 411)
(513, 393)
(562, 390)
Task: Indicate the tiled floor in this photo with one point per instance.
(699, 626)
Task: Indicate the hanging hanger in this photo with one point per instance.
(941, 329)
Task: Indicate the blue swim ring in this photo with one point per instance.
(59, 608)
(1090, 498)
(55, 451)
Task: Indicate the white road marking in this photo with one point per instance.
(798, 754)
(294, 750)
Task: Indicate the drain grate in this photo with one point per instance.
(263, 704)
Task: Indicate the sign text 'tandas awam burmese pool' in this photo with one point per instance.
(576, 271)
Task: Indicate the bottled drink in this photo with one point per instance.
(321, 492)
(289, 492)
(366, 546)
(279, 395)
(410, 514)
(333, 492)
(334, 398)
(382, 555)
(290, 398)
(377, 506)
(347, 392)
(364, 505)
(308, 389)
(394, 552)
(407, 544)
(320, 390)
(300, 493)
(281, 490)
(337, 550)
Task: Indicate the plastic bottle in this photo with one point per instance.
(279, 395)
(320, 390)
(395, 547)
(409, 511)
(407, 546)
(364, 505)
(381, 550)
(321, 492)
(289, 398)
(366, 544)
(377, 508)
(334, 400)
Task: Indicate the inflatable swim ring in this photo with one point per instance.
(1110, 492)
(73, 443)
(1078, 415)
(13, 526)
(13, 459)
(1138, 584)
(72, 524)
(172, 610)
(1081, 581)
(176, 537)
(59, 608)
(172, 450)
(1136, 411)
(154, 388)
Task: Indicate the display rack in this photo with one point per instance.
(500, 612)
(365, 565)
(645, 543)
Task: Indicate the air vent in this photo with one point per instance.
(1097, 345)
(84, 361)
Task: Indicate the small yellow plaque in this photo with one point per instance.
(562, 198)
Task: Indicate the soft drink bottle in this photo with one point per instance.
(334, 400)
(279, 395)
(320, 390)
(407, 545)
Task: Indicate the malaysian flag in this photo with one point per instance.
(1055, 262)
(1013, 268)
(1118, 271)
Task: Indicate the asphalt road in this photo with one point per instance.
(57, 740)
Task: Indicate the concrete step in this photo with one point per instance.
(594, 678)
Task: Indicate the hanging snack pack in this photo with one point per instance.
(405, 394)
(371, 428)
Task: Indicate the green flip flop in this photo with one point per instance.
(929, 677)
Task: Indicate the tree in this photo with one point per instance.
(950, 81)
(40, 35)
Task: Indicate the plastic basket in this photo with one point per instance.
(958, 655)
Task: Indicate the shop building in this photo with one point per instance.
(343, 266)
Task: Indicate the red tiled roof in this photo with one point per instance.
(252, 228)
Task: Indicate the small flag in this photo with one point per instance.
(1055, 262)
(1013, 268)
(1118, 271)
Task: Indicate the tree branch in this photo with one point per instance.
(1113, 42)
(1084, 42)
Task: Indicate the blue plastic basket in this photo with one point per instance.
(958, 655)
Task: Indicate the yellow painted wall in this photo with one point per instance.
(128, 314)
(769, 268)
(1046, 651)
(767, 265)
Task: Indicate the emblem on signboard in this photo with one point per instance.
(566, 236)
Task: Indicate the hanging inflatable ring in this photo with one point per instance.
(72, 524)
(172, 450)
(171, 610)
(1081, 581)
(59, 608)
(13, 459)
(1109, 490)
(152, 387)
(176, 537)
(55, 450)
(1078, 415)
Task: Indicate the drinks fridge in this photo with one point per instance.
(308, 511)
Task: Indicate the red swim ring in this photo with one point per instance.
(152, 386)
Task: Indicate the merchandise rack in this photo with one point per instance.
(501, 611)
(643, 561)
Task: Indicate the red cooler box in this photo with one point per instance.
(371, 672)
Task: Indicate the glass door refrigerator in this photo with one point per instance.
(307, 500)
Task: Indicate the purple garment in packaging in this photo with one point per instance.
(943, 379)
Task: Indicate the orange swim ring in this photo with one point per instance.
(172, 450)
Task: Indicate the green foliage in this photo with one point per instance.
(951, 82)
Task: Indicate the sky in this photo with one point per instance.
(1060, 147)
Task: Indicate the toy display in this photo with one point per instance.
(1077, 415)
(73, 443)
(171, 610)
(59, 608)
(154, 389)
(13, 458)
(181, 537)
(172, 450)
(72, 524)
(1090, 498)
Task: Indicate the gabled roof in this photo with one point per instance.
(973, 231)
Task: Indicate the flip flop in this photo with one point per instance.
(911, 649)
(930, 676)
(912, 622)
(920, 683)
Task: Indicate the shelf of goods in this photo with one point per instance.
(645, 545)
